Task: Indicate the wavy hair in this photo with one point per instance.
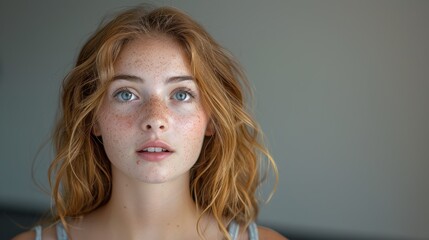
(224, 179)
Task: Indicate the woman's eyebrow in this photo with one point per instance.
(133, 78)
(127, 77)
(179, 79)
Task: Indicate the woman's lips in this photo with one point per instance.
(154, 151)
(153, 156)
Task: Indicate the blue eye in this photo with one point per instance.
(181, 95)
(125, 96)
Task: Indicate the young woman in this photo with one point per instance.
(154, 140)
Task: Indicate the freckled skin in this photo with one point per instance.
(153, 113)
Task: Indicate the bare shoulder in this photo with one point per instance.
(47, 234)
(269, 234)
(25, 236)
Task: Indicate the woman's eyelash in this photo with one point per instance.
(124, 95)
(183, 94)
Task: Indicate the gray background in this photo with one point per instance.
(341, 90)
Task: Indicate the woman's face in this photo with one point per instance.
(151, 120)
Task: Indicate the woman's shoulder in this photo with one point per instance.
(28, 235)
(48, 233)
(268, 233)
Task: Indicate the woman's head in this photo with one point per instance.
(152, 121)
(225, 177)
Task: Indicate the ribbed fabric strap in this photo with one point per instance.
(233, 230)
(253, 231)
(61, 233)
(38, 230)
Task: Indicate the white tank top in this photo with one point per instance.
(233, 230)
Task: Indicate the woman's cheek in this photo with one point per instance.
(191, 119)
(114, 127)
(126, 121)
(123, 117)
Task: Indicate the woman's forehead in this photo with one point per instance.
(154, 55)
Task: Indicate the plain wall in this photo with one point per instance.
(341, 91)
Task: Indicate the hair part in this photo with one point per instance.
(226, 176)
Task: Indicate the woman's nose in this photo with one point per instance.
(155, 115)
(154, 125)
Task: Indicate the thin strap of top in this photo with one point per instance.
(38, 230)
(233, 230)
(61, 233)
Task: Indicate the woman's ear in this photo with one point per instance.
(210, 129)
(96, 130)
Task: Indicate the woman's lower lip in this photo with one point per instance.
(154, 156)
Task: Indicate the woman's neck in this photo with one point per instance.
(152, 203)
(155, 211)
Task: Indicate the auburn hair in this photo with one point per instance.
(224, 179)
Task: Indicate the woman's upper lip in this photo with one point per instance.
(155, 144)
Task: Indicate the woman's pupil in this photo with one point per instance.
(126, 95)
(181, 95)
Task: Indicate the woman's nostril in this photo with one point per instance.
(155, 126)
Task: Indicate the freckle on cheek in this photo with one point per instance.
(129, 122)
